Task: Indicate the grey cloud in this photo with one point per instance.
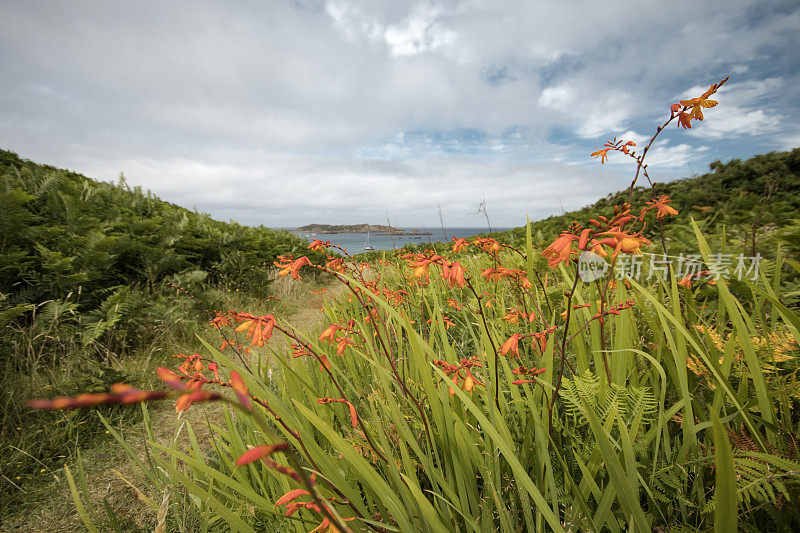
(266, 110)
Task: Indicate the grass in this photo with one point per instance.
(617, 432)
(35, 454)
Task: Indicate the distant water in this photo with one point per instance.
(354, 242)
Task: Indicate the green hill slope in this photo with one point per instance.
(756, 201)
(84, 301)
(62, 232)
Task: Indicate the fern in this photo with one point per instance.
(762, 478)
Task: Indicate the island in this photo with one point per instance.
(377, 229)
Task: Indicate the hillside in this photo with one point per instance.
(85, 300)
(754, 200)
(63, 232)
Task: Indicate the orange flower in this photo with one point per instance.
(602, 154)
(625, 147)
(292, 506)
(292, 267)
(597, 247)
(317, 244)
(343, 343)
(452, 303)
(511, 345)
(447, 322)
(185, 400)
(239, 386)
(329, 333)
(454, 275)
(259, 452)
(512, 317)
(488, 245)
(697, 104)
(353, 416)
(468, 381)
(120, 394)
(221, 321)
(560, 250)
(170, 378)
(420, 263)
(625, 243)
(337, 265)
(259, 328)
(459, 244)
(300, 351)
(660, 204)
(291, 496)
(530, 372)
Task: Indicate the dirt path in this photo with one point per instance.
(109, 474)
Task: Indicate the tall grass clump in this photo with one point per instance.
(495, 387)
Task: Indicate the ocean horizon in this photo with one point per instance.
(354, 243)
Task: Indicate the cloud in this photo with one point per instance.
(342, 108)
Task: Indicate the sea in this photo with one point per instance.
(354, 242)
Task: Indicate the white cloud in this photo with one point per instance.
(203, 102)
(678, 156)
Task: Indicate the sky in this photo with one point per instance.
(285, 113)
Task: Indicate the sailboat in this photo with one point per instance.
(366, 244)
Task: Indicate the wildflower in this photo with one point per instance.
(221, 321)
(447, 322)
(293, 505)
(685, 120)
(453, 303)
(394, 297)
(602, 154)
(661, 207)
(697, 104)
(213, 368)
(459, 244)
(626, 243)
(120, 394)
(317, 244)
(529, 372)
(291, 496)
(185, 400)
(454, 275)
(560, 250)
(353, 416)
(330, 333)
(488, 245)
(292, 267)
(170, 378)
(625, 147)
(259, 328)
(300, 351)
(336, 265)
(466, 382)
(343, 343)
(597, 248)
(511, 345)
(420, 263)
(239, 386)
(259, 452)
